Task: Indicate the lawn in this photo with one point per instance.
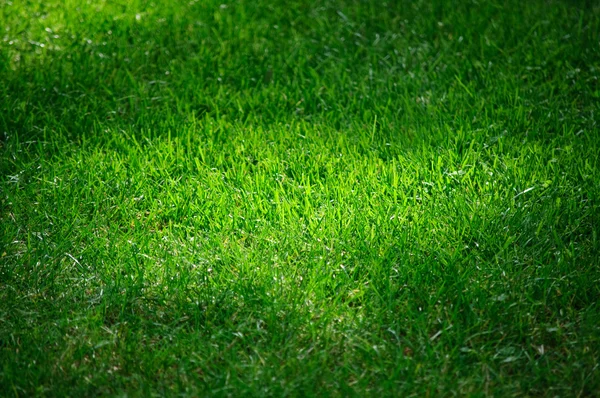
(299, 198)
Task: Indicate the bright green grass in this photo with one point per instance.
(299, 198)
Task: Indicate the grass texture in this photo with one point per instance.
(299, 198)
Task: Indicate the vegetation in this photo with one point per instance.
(299, 198)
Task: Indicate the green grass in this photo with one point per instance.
(272, 198)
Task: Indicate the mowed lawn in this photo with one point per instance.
(299, 198)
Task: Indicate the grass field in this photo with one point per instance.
(298, 198)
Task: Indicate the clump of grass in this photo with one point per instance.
(299, 198)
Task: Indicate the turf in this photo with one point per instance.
(298, 198)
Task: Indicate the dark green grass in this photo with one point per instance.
(299, 198)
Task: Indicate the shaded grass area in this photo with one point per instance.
(299, 198)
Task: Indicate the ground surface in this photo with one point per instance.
(299, 198)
